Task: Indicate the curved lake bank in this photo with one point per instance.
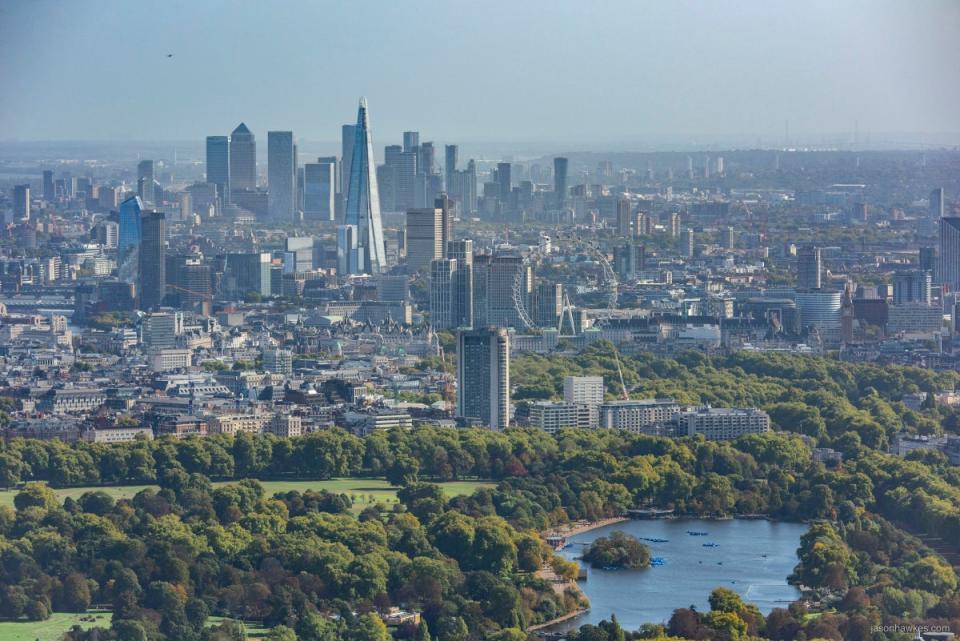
(751, 557)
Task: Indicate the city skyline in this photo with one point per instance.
(825, 76)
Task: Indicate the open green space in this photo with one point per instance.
(54, 627)
(363, 491)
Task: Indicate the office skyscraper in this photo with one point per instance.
(504, 181)
(49, 189)
(145, 181)
(687, 242)
(400, 172)
(913, 286)
(427, 159)
(218, 165)
(21, 202)
(130, 222)
(424, 238)
(950, 253)
(443, 274)
(447, 213)
(936, 203)
(153, 266)
(243, 158)
(319, 191)
(624, 209)
(411, 141)
(450, 166)
(560, 182)
(248, 273)
(363, 199)
(281, 175)
(483, 377)
(462, 252)
(928, 261)
(809, 268)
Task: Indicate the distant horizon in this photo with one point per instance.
(558, 72)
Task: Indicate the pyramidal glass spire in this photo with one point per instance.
(363, 200)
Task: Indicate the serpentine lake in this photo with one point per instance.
(751, 557)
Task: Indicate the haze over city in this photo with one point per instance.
(620, 74)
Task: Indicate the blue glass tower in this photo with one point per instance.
(363, 200)
(129, 237)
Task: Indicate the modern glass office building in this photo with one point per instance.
(363, 200)
(129, 237)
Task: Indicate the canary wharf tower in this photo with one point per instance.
(363, 202)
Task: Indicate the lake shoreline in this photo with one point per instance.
(755, 558)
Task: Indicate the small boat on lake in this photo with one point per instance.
(695, 533)
(711, 545)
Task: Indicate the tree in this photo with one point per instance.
(529, 554)
(75, 594)
(369, 627)
(619, 550)
(403, 471)
(38, 610)
(728, 626)
(931, 574)
(36, 495)
(128, 630)
(725, 600)
(281, 633)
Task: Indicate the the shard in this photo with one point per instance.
(363, 201)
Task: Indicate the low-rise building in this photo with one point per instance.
(165, 360)
(551, 416)
(286, 425)
(722, 424)
(232, 424)
(117, 434)
(636, 415)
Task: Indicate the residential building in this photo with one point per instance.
(722, 424)
(483, 377)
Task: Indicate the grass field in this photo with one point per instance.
(53, 628)
(363, 492)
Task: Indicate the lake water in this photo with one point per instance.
(751, 557)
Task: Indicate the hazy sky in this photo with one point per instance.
(485, 70)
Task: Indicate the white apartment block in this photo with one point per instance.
(635, 415)
(722, 424)
(583, 389)
(552, 417)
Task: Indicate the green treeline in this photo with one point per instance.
(301, 563)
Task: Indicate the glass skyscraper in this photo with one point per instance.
(218, 165)
(243, 158)
(363, 200)
(129, 237)
(281, 175)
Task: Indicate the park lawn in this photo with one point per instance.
(363, 491)
(53, 628)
